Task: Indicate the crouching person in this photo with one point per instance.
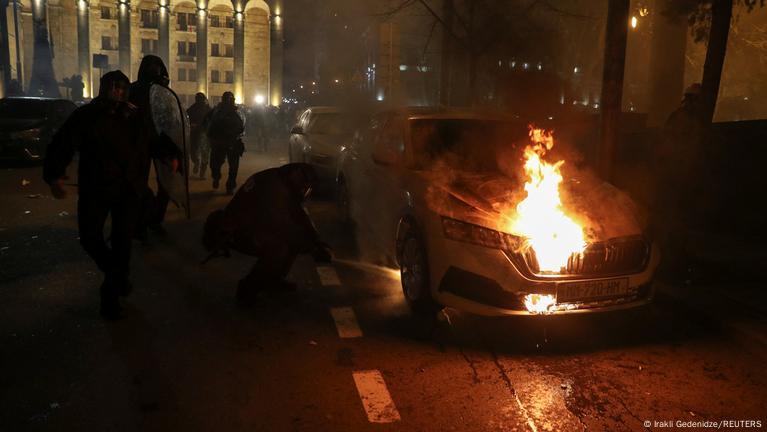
(266, 219)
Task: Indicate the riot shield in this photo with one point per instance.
(170, 119)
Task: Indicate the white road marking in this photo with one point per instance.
(328, 276)
(346, 322)
(375, 397)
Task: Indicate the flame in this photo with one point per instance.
(540, 217)
(539, 303)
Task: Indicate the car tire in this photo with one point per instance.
(414, 274)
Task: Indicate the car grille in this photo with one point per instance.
(622, 255)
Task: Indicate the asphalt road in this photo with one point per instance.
(341, 353)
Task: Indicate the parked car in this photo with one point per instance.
(317, 138)
(436, 218)
(27, 125)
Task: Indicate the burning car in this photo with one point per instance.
(477, 217)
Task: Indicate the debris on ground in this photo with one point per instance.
(27, 211)
(25, 182)
(35, 196)
(64, 213)
(312, 343)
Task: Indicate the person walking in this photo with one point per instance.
(224, 130)
(152, 71)
(111, 180)
(200, 152)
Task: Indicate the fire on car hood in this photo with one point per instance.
(482, 199)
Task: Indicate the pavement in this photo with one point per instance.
(342, 352)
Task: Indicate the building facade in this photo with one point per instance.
(209, 46)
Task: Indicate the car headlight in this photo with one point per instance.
(29, 134)
(479, 235)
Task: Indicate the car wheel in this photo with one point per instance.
(414, 273)
(342, 202)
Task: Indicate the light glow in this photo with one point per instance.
(634, 22)
(539, 303)
(259, 99)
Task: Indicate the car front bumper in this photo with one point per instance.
(487, 281)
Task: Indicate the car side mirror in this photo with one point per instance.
(297, 130)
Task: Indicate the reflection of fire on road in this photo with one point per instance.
(540, 217)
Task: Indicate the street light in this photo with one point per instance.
(634, 22)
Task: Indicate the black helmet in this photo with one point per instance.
(200, 97)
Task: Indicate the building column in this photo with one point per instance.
(123, 37)
(43, 80)
(202, 47)
(5, 48)
(276, 53)
(239, 54)
(163, 32)
(84, 46)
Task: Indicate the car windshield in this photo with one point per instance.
(23, 108)
(329, 124)
(464, 144)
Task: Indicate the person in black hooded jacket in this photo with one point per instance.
(152, 71)
(111, 180)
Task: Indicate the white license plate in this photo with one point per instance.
(592, 290)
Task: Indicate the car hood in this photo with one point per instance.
(327, 144)
(15, 125)
(490, 200)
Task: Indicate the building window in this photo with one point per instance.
(228, 50)
(215, 21)
(106, 12)
(106, 43)
(215, 76)
(150, 18)
(181, 74)
(181, 49)
(192, 51)
(214, 52)
(186, 21)
(148, 46)
(181, 21)
(230, 22)
(229, 77)
(191, 74)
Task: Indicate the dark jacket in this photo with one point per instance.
(105, 135)
(266, 211)
(197, 113)
(224, 126)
